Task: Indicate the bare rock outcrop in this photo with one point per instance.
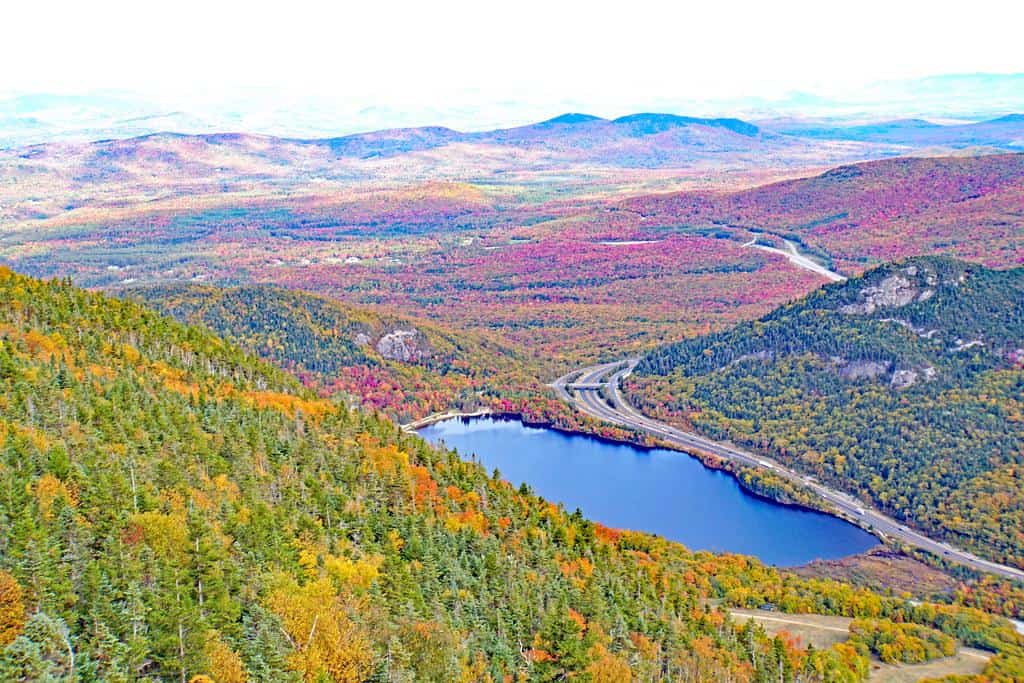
(902, 379)
(892, 292)
(403, 345)
(899, 378)
(863, 369)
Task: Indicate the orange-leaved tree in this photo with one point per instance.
(12, 609)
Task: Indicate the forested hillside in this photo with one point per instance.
(904, 386)
(174, 509)
(404, 367)
(864, 214)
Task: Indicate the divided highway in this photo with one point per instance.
(583, 388)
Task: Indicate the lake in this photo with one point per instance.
(654, 490)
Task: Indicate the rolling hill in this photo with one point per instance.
(634, 141)
(903, 386)
(567, 277)
(864, 214)
(1005, 132)
(404, 367)
(561, 132)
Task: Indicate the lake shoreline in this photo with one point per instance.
(707, 460)
(710, 462)
(434, 418)
(710, 465)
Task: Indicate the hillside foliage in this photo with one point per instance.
(904, 387)
(173, 508)
(332, 347)
(860, 215)
(403, 367)
(895, 643)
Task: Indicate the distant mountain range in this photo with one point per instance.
(1006, 132)
(576, 131)
(584, 134)
(572, 150)
(642, 140)
(30, 118)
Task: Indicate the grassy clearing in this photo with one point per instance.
(824, 631)
(815, 629)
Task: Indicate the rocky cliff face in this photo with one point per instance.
(862, 369)
(894, 291)
(403, 345)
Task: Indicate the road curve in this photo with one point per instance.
(798, 259)
(618, 411)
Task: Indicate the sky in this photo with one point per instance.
(422, 49)
(605, 57)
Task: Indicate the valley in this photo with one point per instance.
(535, 342)
(467, 293)
(828, 320)
(212, 511)
(570, 269)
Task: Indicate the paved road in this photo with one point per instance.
(618, 411)
(798, 259)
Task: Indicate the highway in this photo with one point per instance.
(582, 389)
(798, 259)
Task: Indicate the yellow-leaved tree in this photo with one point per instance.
(225, 664)
(325, 640)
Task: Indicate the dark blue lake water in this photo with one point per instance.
(659, 491)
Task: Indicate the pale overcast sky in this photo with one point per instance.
(422, 50)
